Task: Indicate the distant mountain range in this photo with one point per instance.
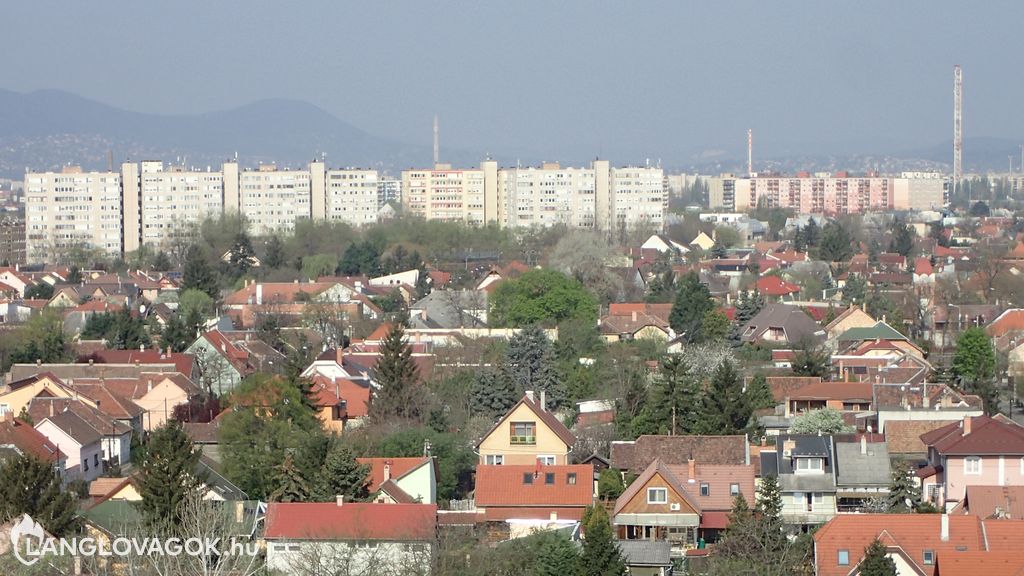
(45, 129)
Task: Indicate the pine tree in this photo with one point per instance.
(601, 555)
(741, 515)
(274, 257)
(902, 241)
(759, 394)
(556, 555)
(693, 301)
(167, 475)
(769, 508)
(241, 256)
(74, 275)
(342, 475)
(176, 336)
(724, 408)
(161, 262)
(397, 378)
(876, 562)
(904, 493)
(492, 393)
(291, 486)
(198, 274)
(672, 397)
(812, 233)
(531, 365)
(799, 240)
(30, 486)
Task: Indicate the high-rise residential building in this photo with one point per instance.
(12, 241)
(826, 194)
(389, 190)
(598, 197)
(272, 200)
(352, 196)
(72, 208)
(168, 198)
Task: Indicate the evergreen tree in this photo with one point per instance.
(715, 326)
(397, 377)
(30, 486)
(741, 516)
(748, 305)
(129, 332)
(855, 290)
(531, 365)
(836, 243)
(974, 365)
(902, 241)
(812, 233)
(718, 251)
(724, 408)
(241, 256)
(693, 301)
(904, 492)
(167, 475)
(161, 262)
(876, 562)
(291, 485)
(176, 336)
(74, 275)
(671, 407)
(799, 240)
(601, 555)
(769, 506)
(342, 475)
(810, 360)
(759, 394)
(274, 257)
(555, 555)
(492, 393)
(198, 274)
(360, 258)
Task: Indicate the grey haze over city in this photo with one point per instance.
(675, 82)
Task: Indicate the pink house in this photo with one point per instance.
(977, 451)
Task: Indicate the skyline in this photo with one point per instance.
(669, 82)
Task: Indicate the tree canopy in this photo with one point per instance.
(692, 303)
(543, 297)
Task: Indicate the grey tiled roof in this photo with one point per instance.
(646, 552)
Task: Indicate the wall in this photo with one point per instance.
(499, 442)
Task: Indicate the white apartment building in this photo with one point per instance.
(72, 208)
(168, 197)
(454, 195)
(548, 195)
(826, 194)
(639, 197)
(353, 196)
(271, 199)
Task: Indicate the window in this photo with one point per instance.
(972, 465)
(844, 558)
(929, 557)
(549, 478)
(809, 465)
(523, 433)
(494, 459)
(734, 489)
(657, 495)
(95, 459)
(546, 460)
(528, 478)
(705, 489)
(570, 478)
(86, 463)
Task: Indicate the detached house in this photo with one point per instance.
(79, 441)
(977, 451)
(536, 492)
(18, 437)
(528, 434)
(402, 480)
(805, 467)
(782, 325)
(356, 538)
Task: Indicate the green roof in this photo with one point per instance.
(113, 516)
(880, 331)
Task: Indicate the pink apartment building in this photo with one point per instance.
(977, 451)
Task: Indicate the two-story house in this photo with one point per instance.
(977, 451)
(79, 441)
(528, 434)
(681, 504)
(805, 467)
(402, 480)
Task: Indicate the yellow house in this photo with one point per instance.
(16, 396)
(852, 317)
(528, 433)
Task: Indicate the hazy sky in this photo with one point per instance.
(625, 80)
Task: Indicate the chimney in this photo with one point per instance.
(149, 385)
(387, 471)
(51, 408)
(692, 469)
(339, 499)
(944, 534)
(544, 400)
(967, 425)
(634, 315)
(259, 294)
(863, 445)
(529, 394)
(239, 511)
(554, 517)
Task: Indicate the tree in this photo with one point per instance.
(167, 475)
(609, 484)
(41, 339)
(30, 486)
(810, 360)
(876, 561)
(397, 378)
(342, 475)
(812, 233)
(974, 366)
(556, 555)
(176, 335)
(545, 297)
(195, 301)
(530, 365)
(671, 407)
(317, 265)
(360, 258)
(823, 421)
(241, 256)
(693, 301)
(727, 236)
(601, 555)
(904, 492)
(855, 289)
(39, 291)
(724, 408)
(493, 393)
(291, 484)
(454, 453)
(902, 241)
(715, 326)
(74, 275)
(979, 209)
(162, 262)
(759, 394)
(583, 256)
(274, 257)
(198, 274)
(128, 332)
(836, 243)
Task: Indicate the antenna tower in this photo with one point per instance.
(958, 134)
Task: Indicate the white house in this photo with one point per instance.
(78, 441)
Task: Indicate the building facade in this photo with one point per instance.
(70, 209)
(827, 194)
(12, 241)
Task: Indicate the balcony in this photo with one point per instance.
(530, 440)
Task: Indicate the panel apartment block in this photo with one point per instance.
(69, 209)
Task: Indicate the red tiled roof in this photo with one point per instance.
(351, 521)
(329, 393)
(992, 563)
(28, 440)
(923, 266)
(833, 391)
(504, 486)
(987, 436)
(275, 292)
(904, 436)
(399, 467)
(775, 286)
(661, 311)
(182, 362)
(985, 501)
(1011, 320)
(552, 422)
(783, 386)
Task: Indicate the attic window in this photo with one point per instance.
(705, 489)
(657, 495)
(571, 478)
(549, 478)
(734, 489)
(844, 558)
(929, 557)
(528, 478)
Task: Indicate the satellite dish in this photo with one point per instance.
(142, 308)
